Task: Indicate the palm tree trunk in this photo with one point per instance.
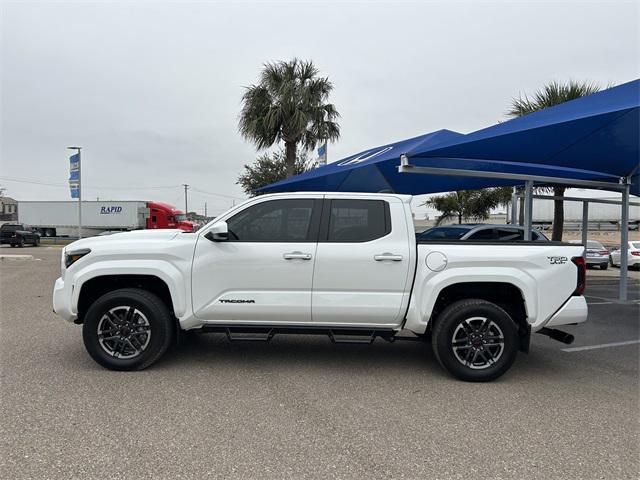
(558, 214)
(459, 218)
(521, 207)
(290, 157)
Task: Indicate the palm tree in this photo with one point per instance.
(289, 104)
(553, 93)
(469, 204)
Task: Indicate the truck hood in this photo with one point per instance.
(125, 237)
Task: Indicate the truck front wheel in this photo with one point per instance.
(475, 340)
(127, 329)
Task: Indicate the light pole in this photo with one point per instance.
(78, 149)
(186, 187)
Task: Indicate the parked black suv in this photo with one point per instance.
(18, 234)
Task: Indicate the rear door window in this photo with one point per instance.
(484, 234)
(353, 221)
(443, 233)
(510, 234)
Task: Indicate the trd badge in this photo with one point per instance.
(557, 260)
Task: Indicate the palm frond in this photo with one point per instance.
(290, 103)
(551, 94)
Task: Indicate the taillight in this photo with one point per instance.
(604, 252)
(635, 253)
(582, 275)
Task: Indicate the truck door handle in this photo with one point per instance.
(296, 256)
(387, 256)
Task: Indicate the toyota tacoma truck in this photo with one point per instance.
(346, 265)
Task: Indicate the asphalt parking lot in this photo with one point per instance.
(301, 407)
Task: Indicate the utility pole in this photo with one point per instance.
(186, 187)
(79, 189)
(205, 209)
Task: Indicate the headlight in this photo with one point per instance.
(73, 256)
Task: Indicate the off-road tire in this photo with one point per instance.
(157, 314)
(453, 316)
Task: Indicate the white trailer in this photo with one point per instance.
(61, 218)
(603, 213)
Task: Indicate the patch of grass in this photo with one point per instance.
(55, 241)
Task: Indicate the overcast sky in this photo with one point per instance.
(152, 90)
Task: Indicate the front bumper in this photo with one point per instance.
(62, 304)
(575, 310)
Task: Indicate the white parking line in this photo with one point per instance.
(598, 298)
(602, 345)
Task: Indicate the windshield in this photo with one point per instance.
(594, 244)
(443, 233)
(11, 228)
(635, 245)
(181, 217)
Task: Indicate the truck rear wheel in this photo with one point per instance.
(127, 329)
(475, 340)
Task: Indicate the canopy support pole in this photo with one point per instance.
(528, 209)
(624, 241)
(585, 226)
(514, 207)
(406, 167)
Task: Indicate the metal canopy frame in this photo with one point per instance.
(622, 186)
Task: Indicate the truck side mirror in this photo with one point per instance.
(218, 233)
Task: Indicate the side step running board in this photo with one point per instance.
(249, 336)
(347, 338)
(251, 333)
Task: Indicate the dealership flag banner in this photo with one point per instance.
(74, 175)
(322, 154)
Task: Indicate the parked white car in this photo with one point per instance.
(345, 265)
(633, 256)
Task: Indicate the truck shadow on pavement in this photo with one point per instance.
(312, 353)
(212, 348)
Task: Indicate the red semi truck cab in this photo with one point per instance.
(163, 215)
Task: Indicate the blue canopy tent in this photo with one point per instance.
(376, 170)
(591, 142)
(598, 133)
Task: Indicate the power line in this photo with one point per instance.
(39, 182)
(163, 187)
(199, 190)
(36, 182)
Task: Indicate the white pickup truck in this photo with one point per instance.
(346, 265)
